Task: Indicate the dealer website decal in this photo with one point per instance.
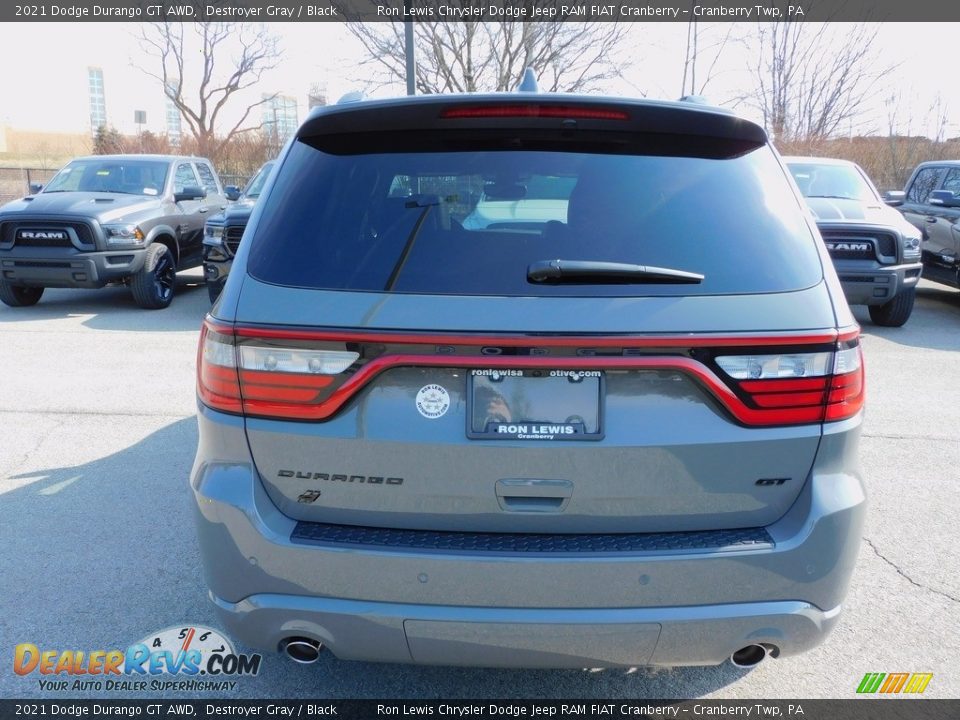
(184, 653)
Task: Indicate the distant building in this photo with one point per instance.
(174, 126)
(98, 100)
(279, 117)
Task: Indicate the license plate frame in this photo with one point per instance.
(585, 422)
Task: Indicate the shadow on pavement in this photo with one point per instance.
(113, 308)
(105, 553)
(936, 326)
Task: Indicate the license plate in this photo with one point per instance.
(509, 404)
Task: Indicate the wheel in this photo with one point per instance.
(896, 312)
(153, 285)
(214, 287)
(19, 296)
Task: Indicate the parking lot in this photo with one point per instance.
(97, 436)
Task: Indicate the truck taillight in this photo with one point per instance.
(797, 388)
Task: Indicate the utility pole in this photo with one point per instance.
(409, 49)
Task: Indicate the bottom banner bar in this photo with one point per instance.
(854, 709)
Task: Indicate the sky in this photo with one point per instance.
(48, 90)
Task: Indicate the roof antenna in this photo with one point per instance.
(351, 97)
(529, 82)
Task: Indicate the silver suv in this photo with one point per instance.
(621, 434)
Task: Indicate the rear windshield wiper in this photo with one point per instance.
(426, 205)
(597, 272)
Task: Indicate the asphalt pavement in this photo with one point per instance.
(97, 436)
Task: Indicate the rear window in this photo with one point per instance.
(471, 221)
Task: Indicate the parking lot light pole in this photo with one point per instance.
(409, 50)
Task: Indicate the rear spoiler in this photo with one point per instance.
(533, 112)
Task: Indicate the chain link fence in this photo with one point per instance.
(231, 179)
(888, 161)
(15, 182)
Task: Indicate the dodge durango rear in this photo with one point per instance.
(530, 381)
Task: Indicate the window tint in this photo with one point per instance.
(207, 180)
(185, 177)
(471, 221)
(924, 184)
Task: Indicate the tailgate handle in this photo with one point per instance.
(533, 495)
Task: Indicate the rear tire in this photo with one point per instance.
(154, 284)
(18, 295)
(896, 312)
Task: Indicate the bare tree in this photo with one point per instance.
(482, 57)
(813, 79)
(906, 146)
(234, 58)
(706, 43)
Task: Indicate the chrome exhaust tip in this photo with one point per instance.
(302, 650)
(749, 656)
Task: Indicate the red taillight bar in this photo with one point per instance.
(318, 397)
(672, 340)
(534, 110)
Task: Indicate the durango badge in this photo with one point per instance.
(433, 401)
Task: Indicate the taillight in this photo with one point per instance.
(239, 375)
(311, 374)
(284, 382)
(218, 384)
(798, 388)
(534, 110)
(847, 385)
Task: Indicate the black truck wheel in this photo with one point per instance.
(19, 296)
(153, 285)
(895, 312)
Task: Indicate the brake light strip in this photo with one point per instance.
(627, 341)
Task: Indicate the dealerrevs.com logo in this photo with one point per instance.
(185, 658)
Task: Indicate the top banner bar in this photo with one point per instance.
(481, 10)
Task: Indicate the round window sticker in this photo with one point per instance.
(433, 401)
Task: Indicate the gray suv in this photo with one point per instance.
(621, 434)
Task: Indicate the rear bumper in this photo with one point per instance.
(530, 609)
(875, 284)
(67, 268)
(517, 637)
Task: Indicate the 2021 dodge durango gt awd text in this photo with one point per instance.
(624, 437)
